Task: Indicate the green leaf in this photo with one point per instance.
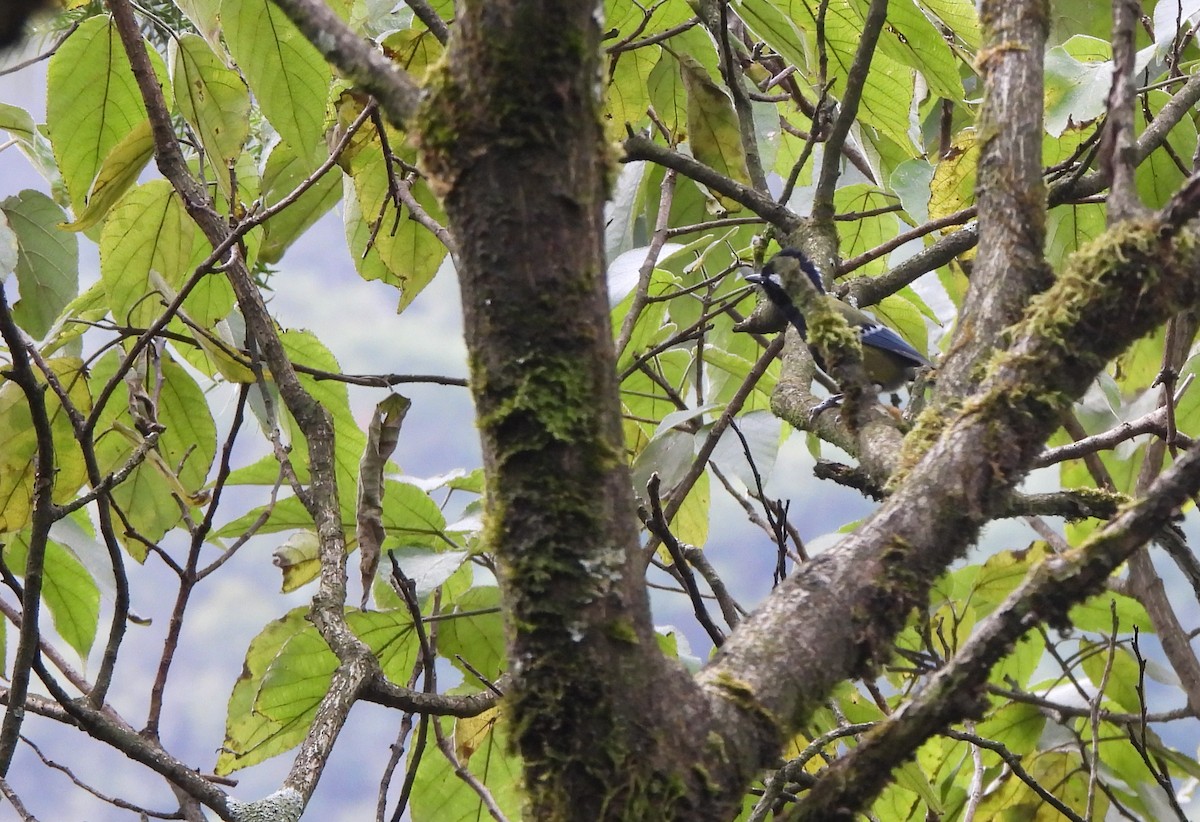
(712, 124)
(1063, 774)
(629, 87)
(288, 76)
(888, 91)
(1139, 366)
(668, 96)
(147, 236)
(427, 569)
(737, 366)
(668, 454)
(1022, 661)
(205, 16)
(189, 443)
(867, 232)
(910, 777)
(409, 515)
(789, 150)
(250, 736)
(911, 182)
(1078, 77)
(483, 745)
(19, 447)
(415, 50)
(406, 257)
(476, 637)
(723, 349)
(72, 597)
(1000, 575)
(388, 245)
(303, 348)
(70, 593)
(47, 265)
(287, 672)
(92, 102)
(959, 16)
(145, 496)
(690, 525)
(763, 432)
(298, 559)
(1160, 176)
(284, 173)
(1016, 725)
(213, 99)
(1072, 226)
(118, 172)
(1187, 411)
(1124, 673)
(911, 40)
(16, 121)
(900, 314)
(9, 252)
(624, 17)
(649, 325)
(88, 307)
(1095, 614)
(954, 177)
(777, 28)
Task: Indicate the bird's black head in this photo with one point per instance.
(792, 258)
(787, 265)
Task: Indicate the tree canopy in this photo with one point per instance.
(1013, 189)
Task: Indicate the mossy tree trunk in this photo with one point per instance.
(513, 137)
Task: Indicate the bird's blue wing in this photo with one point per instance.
(882, 337)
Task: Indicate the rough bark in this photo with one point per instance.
(511, 134)
(1010, 193)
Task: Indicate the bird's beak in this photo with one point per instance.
(757, 279)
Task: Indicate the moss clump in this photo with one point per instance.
(622, 631)
(925, 432)
(743, 697)
(885, 609)
(548, 400)
(440, 127)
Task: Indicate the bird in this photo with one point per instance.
(888, 359)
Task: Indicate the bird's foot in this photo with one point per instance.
(830, 402)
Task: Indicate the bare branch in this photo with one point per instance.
(856, 80)
(357, 59)
(638, 147)
(42, 517)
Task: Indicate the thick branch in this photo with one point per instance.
(955, 692)
(1117, 144)
(1010, 191)
(559, 509)
(1126, 283)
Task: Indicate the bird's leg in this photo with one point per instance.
(832, 401)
